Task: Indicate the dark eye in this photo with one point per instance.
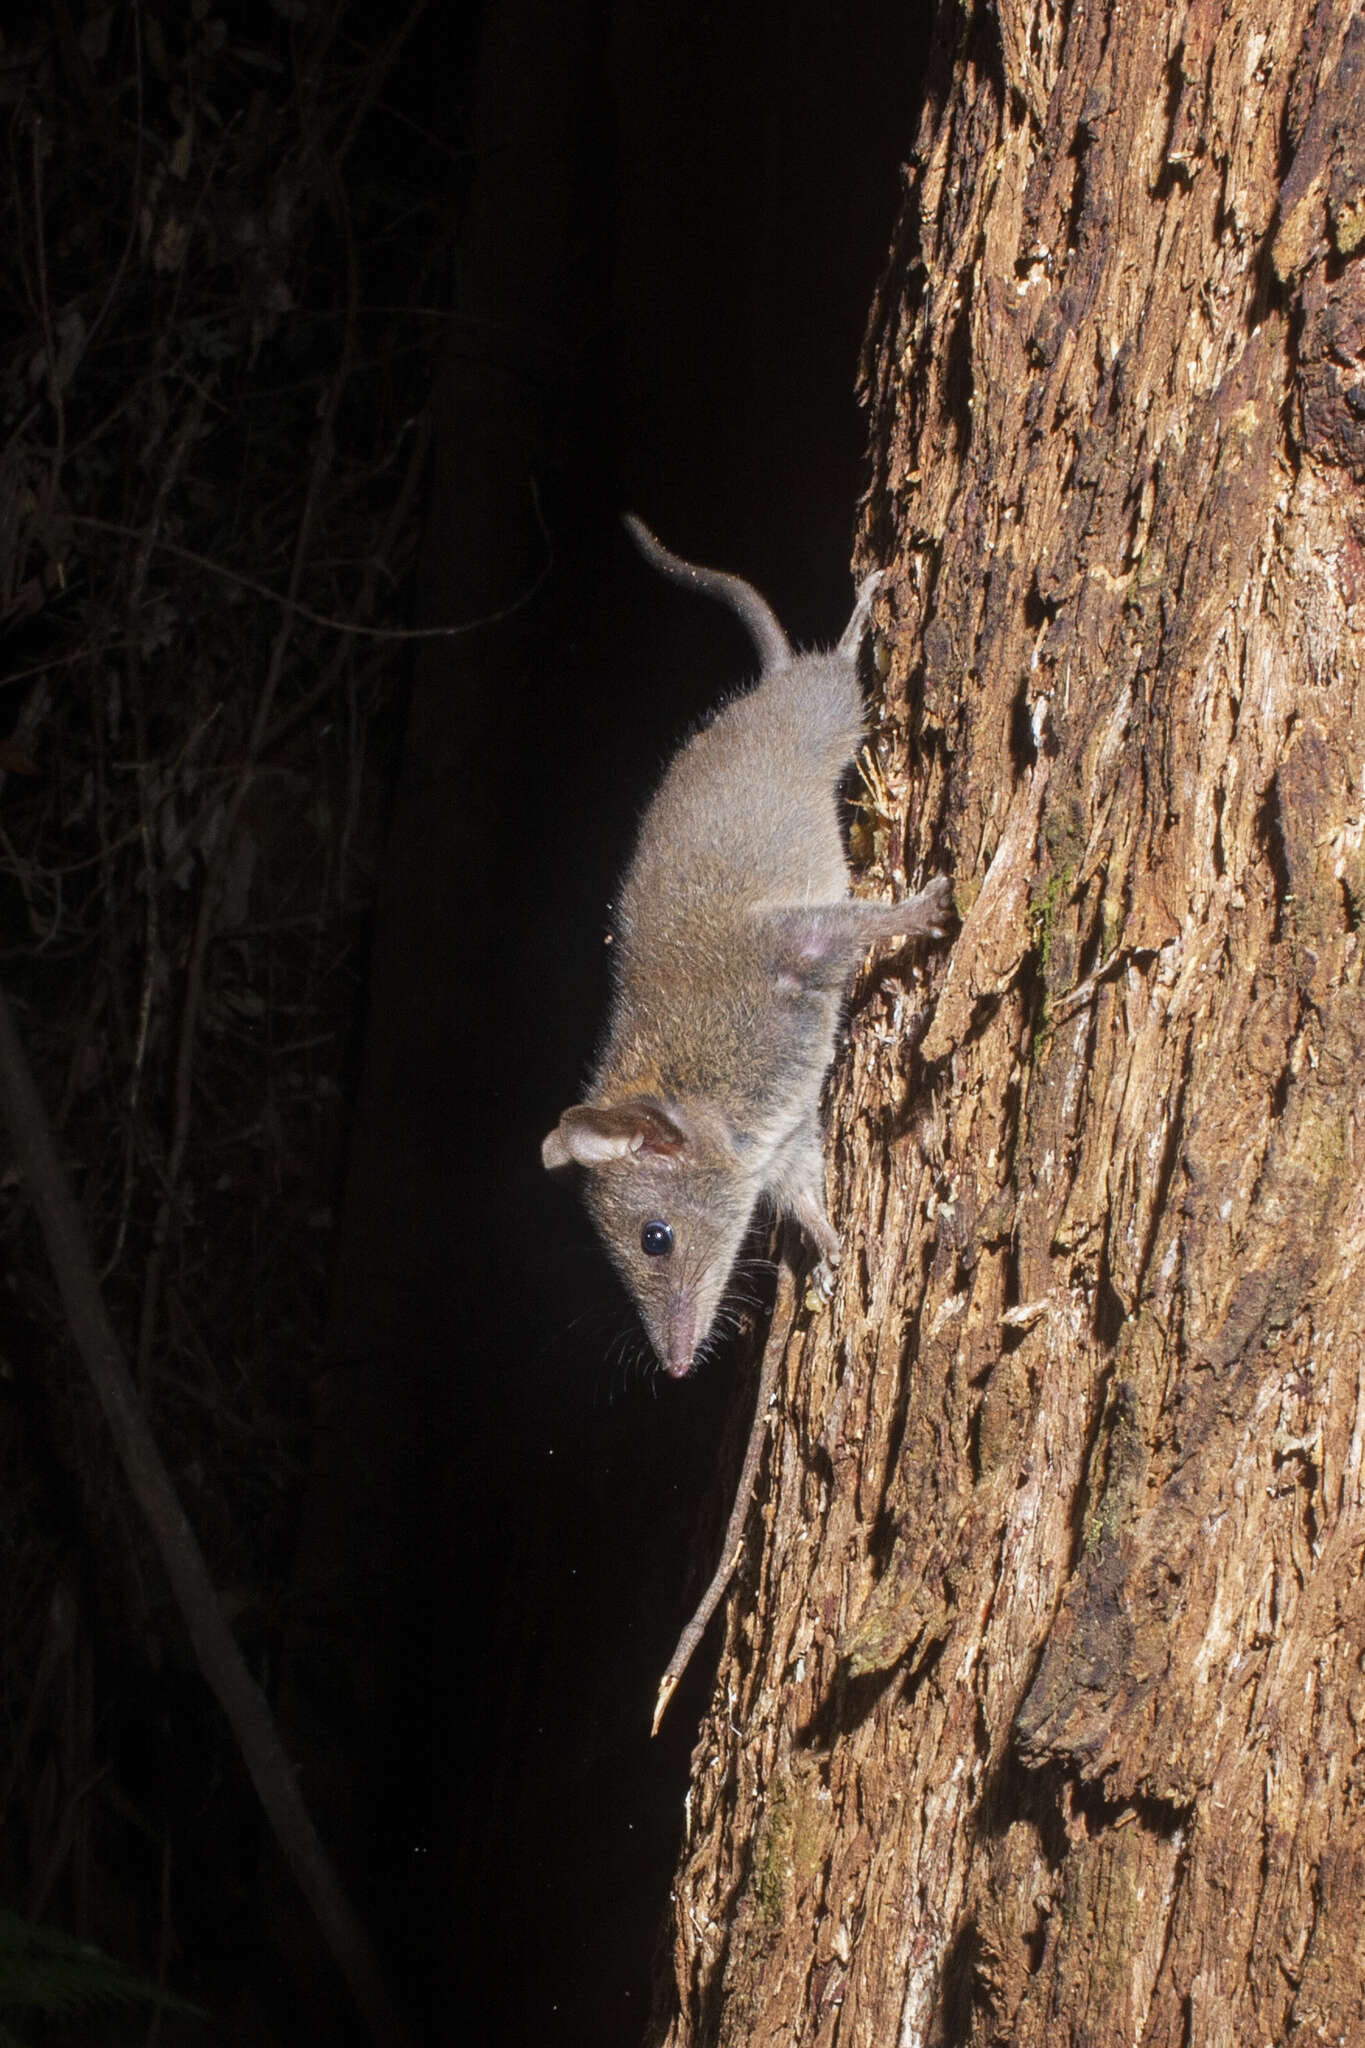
(656, 1240)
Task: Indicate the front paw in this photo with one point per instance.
(807, 1206)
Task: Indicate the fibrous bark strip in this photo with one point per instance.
(1042, 1717)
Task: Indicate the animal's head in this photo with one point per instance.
(671, 1205)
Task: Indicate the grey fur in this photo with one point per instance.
(774, 649)
(735, 941)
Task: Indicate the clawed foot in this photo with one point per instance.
(928, 914)
(820, 1285)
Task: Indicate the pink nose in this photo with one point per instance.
(682, 1340)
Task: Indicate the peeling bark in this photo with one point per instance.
(1041, 1713)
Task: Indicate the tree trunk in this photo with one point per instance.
(1041, 1712)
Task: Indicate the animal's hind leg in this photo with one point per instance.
(819, 947)
(923, 916)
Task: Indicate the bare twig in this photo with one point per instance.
(732, 1548)
(221, 851)
(303, 611)
(135, 192)
(55, 376)
(185, 437)
(219, 1658)
(377, 77)
(400, 512)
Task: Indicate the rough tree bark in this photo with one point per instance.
(1041, 1712)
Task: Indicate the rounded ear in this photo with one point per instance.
(591, 1136)
(555, 1152)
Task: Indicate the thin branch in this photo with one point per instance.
(302, 611)
(732, 1549)
(221, 851)
(215, 1647)
(54, 375)
(399, 514)
(376, 78)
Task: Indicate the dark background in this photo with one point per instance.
(619, 257)
(675, 224)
